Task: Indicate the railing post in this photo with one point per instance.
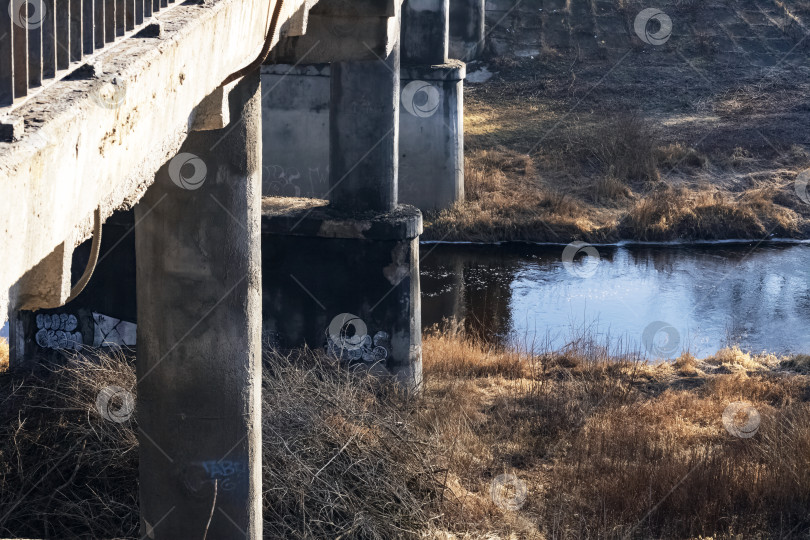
(129, 14)
(120, 17)
(34, 42)
(76, 44)
(49, 40)
(109, 20)
(63, 33)
(6, 61)
(88, 26)
(19, 35)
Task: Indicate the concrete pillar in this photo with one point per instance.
(467, 29)
(365, 309)
(295, 125)
(347, 284)
(432, 135)
(425, 30)
(432, 118)
(199, 333)
(364, 134)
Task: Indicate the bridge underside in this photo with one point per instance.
(205, 254)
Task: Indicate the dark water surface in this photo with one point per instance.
(696, 298)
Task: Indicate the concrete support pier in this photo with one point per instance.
(431, 121)
(431, 149)
(345, 275)
(467, 29)
(199, 332)
(347, 283)
(364, 134)
(432, 100)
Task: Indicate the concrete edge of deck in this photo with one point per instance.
(94, 141)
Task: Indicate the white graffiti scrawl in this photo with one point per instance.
(112, 332)
(348, 338)
(57, 331)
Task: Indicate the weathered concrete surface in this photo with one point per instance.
(366, 308)
(199, 333)
(344, 30)
(214, 111)
(364, 134)
(431, 140)
(99, 141)
(425, 31)
(467, 29)
(295, 125)
(431, 146)
(295, 112)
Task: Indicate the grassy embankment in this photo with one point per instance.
(606, 446)
(678, 142)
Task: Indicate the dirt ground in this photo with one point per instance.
(596, 135)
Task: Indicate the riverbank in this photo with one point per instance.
(697, 139)
(498, 445)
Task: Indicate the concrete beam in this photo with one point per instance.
(48, 284)
(98, 141)
(214, 111)
(343, 30)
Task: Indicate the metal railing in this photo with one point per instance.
(45, 39)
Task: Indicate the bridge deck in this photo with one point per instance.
(97, 139)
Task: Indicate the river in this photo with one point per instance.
(659, 299)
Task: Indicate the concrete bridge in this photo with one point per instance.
(173, 132)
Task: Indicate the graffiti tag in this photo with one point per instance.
(56, 331)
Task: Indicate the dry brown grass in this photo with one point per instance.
(341, 456)
(708, 213)
(510, 198)
(561, 148)
(622, 449)
(65, 472)
(3, 355)
(450, 353)
(506, 200)
(623, 147)
(605, 444)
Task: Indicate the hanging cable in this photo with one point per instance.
(91, 263)
(268, 44)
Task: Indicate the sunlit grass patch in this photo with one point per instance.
(3, 355)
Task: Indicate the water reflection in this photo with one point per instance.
(713, 295)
